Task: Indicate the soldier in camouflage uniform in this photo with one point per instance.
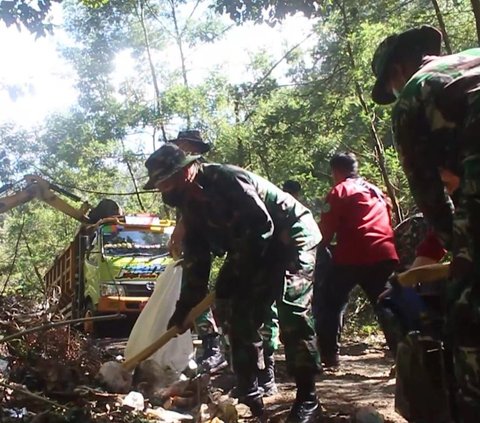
(436, 122)
(423, 361)
(408, 235)
(270, 241)
(212, 359)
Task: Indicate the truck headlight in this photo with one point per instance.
(111, 289)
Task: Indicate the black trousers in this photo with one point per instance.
(331, 298)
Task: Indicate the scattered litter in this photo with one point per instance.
(368, 414)
(115, 377)
(134, 400)
(168, 415)
(4, 366)
(16, 413)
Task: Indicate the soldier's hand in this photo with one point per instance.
(391, 286)
(175, 244)
(178, 318)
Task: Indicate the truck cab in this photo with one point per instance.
(124, 257)
(111, 266)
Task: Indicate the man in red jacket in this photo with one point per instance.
(358, 215)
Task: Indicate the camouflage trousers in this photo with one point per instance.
(464, 331)
(206, 325)
(251, 306)
(464, 310)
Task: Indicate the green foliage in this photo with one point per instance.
(265, 10)
(29, 14)
(280, 127)
(359, 317)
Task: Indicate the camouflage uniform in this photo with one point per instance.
(270, 331)
(205, 324)
(408, 236)
(270, 241)
(436, 122)
(424, 376)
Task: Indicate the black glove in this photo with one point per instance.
(391, 287)
(179, 316)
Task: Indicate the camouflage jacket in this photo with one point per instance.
(408, 236)
(428, 119)
(245, 216)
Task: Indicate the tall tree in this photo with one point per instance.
(476, 13)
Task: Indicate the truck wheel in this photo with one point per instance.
(89, 326)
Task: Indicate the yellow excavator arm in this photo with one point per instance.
(38, 188)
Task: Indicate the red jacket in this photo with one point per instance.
(357, 212)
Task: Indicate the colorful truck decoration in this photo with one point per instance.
(111, 267)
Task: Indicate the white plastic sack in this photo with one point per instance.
(152, 323)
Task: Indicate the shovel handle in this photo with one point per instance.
(195, 312)
(424, 274)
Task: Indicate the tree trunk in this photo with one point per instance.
(240, 146)
(377, 142)
(179, 41)
(476, 13)
(130, 171)
(158, 100)
(441, 23)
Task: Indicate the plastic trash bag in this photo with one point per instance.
(152, 323)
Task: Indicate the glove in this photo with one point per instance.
(179, 316)
(392, 287)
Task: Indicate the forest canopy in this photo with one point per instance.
(281, 127)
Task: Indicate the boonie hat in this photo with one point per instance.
(194, 138)
(425, 39)
(165, 162)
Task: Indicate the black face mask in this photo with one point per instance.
(173, 198)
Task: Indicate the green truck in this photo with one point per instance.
(113, 261)
(111, 267)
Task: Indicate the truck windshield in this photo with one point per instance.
(119, 241)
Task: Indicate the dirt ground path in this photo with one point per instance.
(363, 379)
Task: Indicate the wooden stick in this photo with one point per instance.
(195, 312)
(51, 325)
(32, 395)
(424, 274)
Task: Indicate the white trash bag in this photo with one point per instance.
(152, 323)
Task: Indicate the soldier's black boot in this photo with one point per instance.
(212, 359)
(306, 408)
(266, 377)
(250, 395)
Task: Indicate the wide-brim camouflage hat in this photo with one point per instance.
(165, 162)
(193, 138)
(425, 39)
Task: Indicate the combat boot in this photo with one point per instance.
(212, 360)
(250, 395)
(266, 377)
(331, 361)
(306, 407)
